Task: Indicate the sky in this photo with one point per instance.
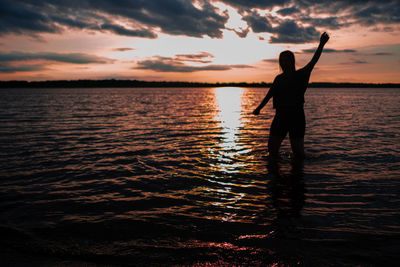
(197, 40)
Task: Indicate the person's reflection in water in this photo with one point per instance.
(288, 195)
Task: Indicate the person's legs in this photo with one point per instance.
(278, 131)
(297, 144)
(274, 143)
(296, 133)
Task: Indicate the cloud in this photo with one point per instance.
(354, 61)
(288, 11)
(180, 17)
(8, 68)
(262, 4)
(195, 56)
(362, 12)
(139, 18)
(128, 32)
(298, 21)
(178, 64)
(242, 33)
(326, 23)
(383, 54)
(286, 31)
(329, 50)
(290, 32)
(294, 21)
(123, 49)
(257, 23)
(370, 14)
(75, 58)
(199, 58)
(20, 17)
(360, 61)
(271, 60)
(326, 50)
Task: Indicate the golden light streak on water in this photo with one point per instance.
(229, 115)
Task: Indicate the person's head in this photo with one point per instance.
(286, 61)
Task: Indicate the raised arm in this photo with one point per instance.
(323, 40)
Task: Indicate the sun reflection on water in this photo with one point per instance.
(229, 108)
(229, 157)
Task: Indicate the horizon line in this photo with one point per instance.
(106, 83)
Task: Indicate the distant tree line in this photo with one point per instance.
(136, 83)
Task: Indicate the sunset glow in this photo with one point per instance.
(201, 41)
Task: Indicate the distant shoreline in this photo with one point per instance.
(137, 83)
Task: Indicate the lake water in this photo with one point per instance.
(176, 176)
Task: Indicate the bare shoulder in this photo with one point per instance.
(305, 69)
(279, 76)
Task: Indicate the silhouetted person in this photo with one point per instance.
(288, 91)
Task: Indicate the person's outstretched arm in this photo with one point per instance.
(323, 40)
(264, 102)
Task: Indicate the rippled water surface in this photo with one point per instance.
(180, 176)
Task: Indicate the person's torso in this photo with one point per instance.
(290, 89)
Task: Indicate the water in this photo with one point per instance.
(180, 176)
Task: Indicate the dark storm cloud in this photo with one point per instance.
(75, 58)
(141, 17)
(178, 64)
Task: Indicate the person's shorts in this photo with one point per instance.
(290, 121)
